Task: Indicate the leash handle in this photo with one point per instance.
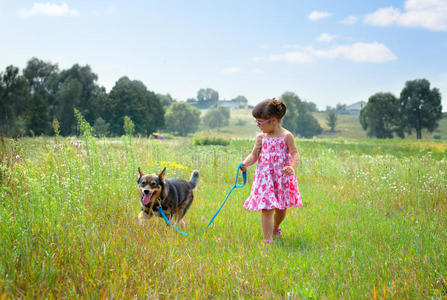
(244, 176)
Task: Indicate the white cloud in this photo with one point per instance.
(318, 15)
(295, 57)
(383, 17)
(230, 70)
(430, 14)
(358, 52)
(326, 37)
(49, 9)
(349, 20)
(258, 71)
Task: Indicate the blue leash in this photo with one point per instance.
(244, 175)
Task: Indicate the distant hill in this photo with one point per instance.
(242, 125)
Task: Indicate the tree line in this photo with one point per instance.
(418, 107)
(31, 100)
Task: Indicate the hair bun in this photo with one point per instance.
(277, 103)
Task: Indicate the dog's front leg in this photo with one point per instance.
(181, 223)
(143, 216)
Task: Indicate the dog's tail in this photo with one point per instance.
(194, 178)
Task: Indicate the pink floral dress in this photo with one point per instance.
(271, 187)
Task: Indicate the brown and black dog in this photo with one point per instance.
(173, 195)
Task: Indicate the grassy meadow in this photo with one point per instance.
(372, 225)
(348, 126)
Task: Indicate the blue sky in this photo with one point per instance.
(327, 52)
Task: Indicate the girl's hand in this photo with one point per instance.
(243, 167)
(288, 170)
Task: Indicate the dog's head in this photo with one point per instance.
(151, 186)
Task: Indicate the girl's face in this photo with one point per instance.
(267, 125)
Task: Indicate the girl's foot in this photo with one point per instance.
(277, 232)
(267, 242)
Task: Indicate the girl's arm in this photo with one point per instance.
(295, 156)
(253, 156)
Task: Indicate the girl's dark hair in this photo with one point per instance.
(269, 108)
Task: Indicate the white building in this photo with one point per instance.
(355, 108)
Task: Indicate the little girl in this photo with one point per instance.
(275, 187)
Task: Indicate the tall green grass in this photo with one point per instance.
(374, 218)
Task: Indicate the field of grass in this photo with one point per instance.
(348, 126)
(242, 125)
(372, 225)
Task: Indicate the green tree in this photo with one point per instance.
(242, 100)
(89, 89)
(129, 126)
(380, 117)
(99, 105)
(205, 98)
(42, 78)
(13, 97)
(294, 105)
(207, 95)
(165, 100)
(340, 107)
(308, 126)
(217, 117)
(68, 97)
(310, 106)
(37, 116)
(332, 121)
(182, 118)
(131, 98)
(420, 106)
(101, 127)
(297, 119)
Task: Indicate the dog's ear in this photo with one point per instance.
(162, 174)
(141, 175)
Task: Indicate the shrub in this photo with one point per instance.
(182, 118)
(205, 141)
(217, 117)
(129, 126)
(241, 122)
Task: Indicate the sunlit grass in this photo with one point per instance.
(374, 216)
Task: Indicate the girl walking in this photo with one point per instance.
(275, 187)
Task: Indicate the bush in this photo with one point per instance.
(129, 126)
(217, 117)
(241, 122)
(205, 141)
(182, 118)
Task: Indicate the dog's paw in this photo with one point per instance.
(143, 217)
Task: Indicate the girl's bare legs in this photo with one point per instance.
(280, 214)
(267, 224)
